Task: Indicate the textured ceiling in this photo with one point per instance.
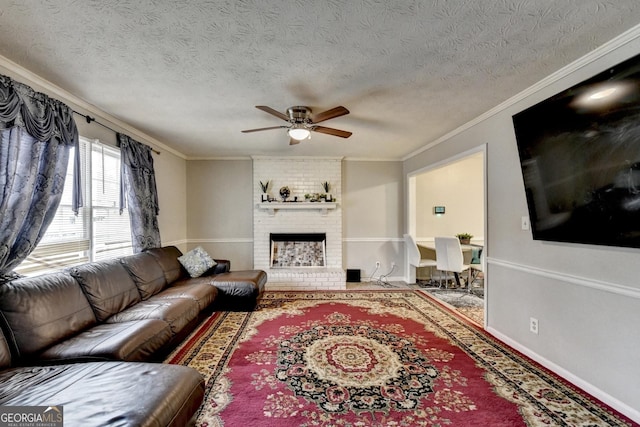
(189, 72)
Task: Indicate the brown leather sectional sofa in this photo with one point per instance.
(84, 338)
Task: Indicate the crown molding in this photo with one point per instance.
(83, 105)
(297, 157)
(615, 43)
(209, 158)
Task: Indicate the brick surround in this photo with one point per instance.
(301, 175)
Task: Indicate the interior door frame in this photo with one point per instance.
(412, 202)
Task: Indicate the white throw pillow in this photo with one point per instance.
(196, 261)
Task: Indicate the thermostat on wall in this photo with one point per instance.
(438, 210)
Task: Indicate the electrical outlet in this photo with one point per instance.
(393, 265)
(533, 325)
(377, 264)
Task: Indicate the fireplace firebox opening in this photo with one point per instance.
(298, 250)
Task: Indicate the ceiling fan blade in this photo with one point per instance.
(293, 141)
(331, 131)
(329, 114)
(259, 129)
(273, 112)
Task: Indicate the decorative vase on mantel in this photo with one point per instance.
(327, 196)
(264, 186)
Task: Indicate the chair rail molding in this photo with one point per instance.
(569, 278)
(222, 240)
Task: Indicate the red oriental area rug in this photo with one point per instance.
(371, 358)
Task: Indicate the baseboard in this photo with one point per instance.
(616, 404)
(388, 279)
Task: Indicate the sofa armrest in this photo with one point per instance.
(222, 266)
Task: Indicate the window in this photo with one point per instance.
(111, 230)
(99, 231)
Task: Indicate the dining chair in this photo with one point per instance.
(476, 268)
(415, 258)
(449, 258)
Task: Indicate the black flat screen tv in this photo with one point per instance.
(580, 159)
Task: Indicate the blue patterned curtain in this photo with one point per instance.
(36, 135)
(138, 187)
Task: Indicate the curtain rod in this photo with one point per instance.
(90, 119)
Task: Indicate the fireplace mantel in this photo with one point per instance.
(272, 207)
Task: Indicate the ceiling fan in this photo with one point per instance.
(302, 122)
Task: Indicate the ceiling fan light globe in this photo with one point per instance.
(299, 133)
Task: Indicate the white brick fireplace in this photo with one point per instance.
(302, 176)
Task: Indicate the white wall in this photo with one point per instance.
(171, 180)
(459, 187)
(586, 298)
(373, 217)
(220, 209)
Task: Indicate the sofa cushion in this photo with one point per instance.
(239, 290)
(135, 341)
(241, 284)
(108, 287)
(198, 289)
(146, 273)
(43, 310)
(196, 261)
(177, 313)
(108, 393)
(167, 257)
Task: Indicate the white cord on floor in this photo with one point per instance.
(374, 272)
(383, 278)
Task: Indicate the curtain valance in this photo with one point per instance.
(43, 118)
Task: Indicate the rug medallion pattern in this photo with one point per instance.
(343, 367)
(371, 358)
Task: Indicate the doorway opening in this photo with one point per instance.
(446, 199)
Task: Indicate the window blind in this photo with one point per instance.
(111, 230)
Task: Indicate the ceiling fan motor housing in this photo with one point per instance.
(299, 114)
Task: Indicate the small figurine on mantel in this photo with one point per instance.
(285, 193)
